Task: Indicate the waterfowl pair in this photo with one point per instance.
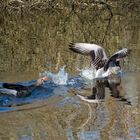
(104, 66)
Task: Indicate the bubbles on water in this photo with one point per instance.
(59, 78)
(87, 73)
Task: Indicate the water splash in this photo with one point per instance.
(87, 73)
(59, 78)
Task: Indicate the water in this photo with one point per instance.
(34, 39)
(77, 118)
(87, 73)
(59, 78)
(58, 84)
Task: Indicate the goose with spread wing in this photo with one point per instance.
(104, 66)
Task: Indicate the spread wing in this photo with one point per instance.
(83, 48)
(96, 52)
(116, 57)
(97, 57)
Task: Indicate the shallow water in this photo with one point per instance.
(36, 42)
(65, 116)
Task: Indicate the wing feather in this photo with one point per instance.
(117, 56)
(96, 52)
(83, 48)
(98, 61)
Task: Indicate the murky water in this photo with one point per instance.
(36, 42)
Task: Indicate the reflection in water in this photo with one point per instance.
(73, 118)
(99, 86)
(89, 135)
(114, 85)
(39, 41)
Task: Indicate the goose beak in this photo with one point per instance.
(45, 78)
(40, 81)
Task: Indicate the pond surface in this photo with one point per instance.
(37, 42)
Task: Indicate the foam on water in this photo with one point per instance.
(59, 78)
(87, 73)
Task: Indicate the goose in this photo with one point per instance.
(19, 90)
(98, 90)
(114, 84)
(104, 66)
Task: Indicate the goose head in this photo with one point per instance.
(41, 80)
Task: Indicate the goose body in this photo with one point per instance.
(104, 66)
(19, 90)
(101, 73)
